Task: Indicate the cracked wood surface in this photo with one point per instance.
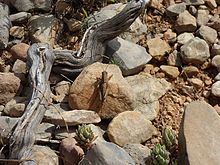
(40, 61)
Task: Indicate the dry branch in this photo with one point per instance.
(40, 61)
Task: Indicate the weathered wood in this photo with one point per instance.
(40, 60)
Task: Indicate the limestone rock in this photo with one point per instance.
(175, 9)
(71, 118)
(85, 94)
(139, 153)
(203, 118)
(105, 153)
(19, 51)
(171, 71)
(130, 57)
(43, 155)
(19, 67)
(195, 51)
(27, 5)
(202, 17)
(19, 17)
(43, 29)
(148, 90)
(208, 34)
(158, 47)
(130, 127)
(184, 38)
(10, 85)
(70, 152)
(215, 90)
(185, 22)
(15, 107)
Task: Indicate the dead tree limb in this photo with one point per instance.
(40, 61)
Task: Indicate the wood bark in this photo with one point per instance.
(40, 61)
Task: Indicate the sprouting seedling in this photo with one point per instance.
(85, 136)
(160, 155)
(169, 138)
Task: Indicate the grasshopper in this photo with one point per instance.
(102, 85)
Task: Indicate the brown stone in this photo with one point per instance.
(19, 51)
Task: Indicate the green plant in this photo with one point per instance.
(159, 155)
(169, 138)
(85, 135)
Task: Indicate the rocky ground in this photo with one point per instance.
(164, 74)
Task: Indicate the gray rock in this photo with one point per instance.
(216, 62)
(139, 153)
(194, 2)
(71, 118)
(202, 17)
(215, 89)
(130, 57)
(5, 25)
(10, 85)
(130, 127)
(43, 155)
(217, 77)
(136, 29)
(185, 22)
(148, 90)
(208, 34)
(105, 153)
(27, 5)
(45, 131)
(19, 17)
(184, 38)
(158, 48)
(19, 67)
(215, 49)
(43, 29)
(199, 135)
(195, 51)
(175, 9)
(15, 107)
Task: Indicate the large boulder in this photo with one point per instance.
(199, 135)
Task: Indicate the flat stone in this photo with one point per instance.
(148, 90)
(10, 85)
(139, 153)
(71, 118)
(158, 48)
(70, 152)
(19, 51)
(106, 153)
(43, 29)
(15, 107)
(130, 57)
(19, 67)
(216, 62)
(195, 51)
(175, 9)
(194, 2)
(184, 38)
(202, 17)
(45, 131)
(130, 127)
(208, 34)
(27, 5)
(185, 22)
(19, 17)
(135, 31)
(203, 118)
(171, 71)
(43, 155)
(85, 94)
(215, 89)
